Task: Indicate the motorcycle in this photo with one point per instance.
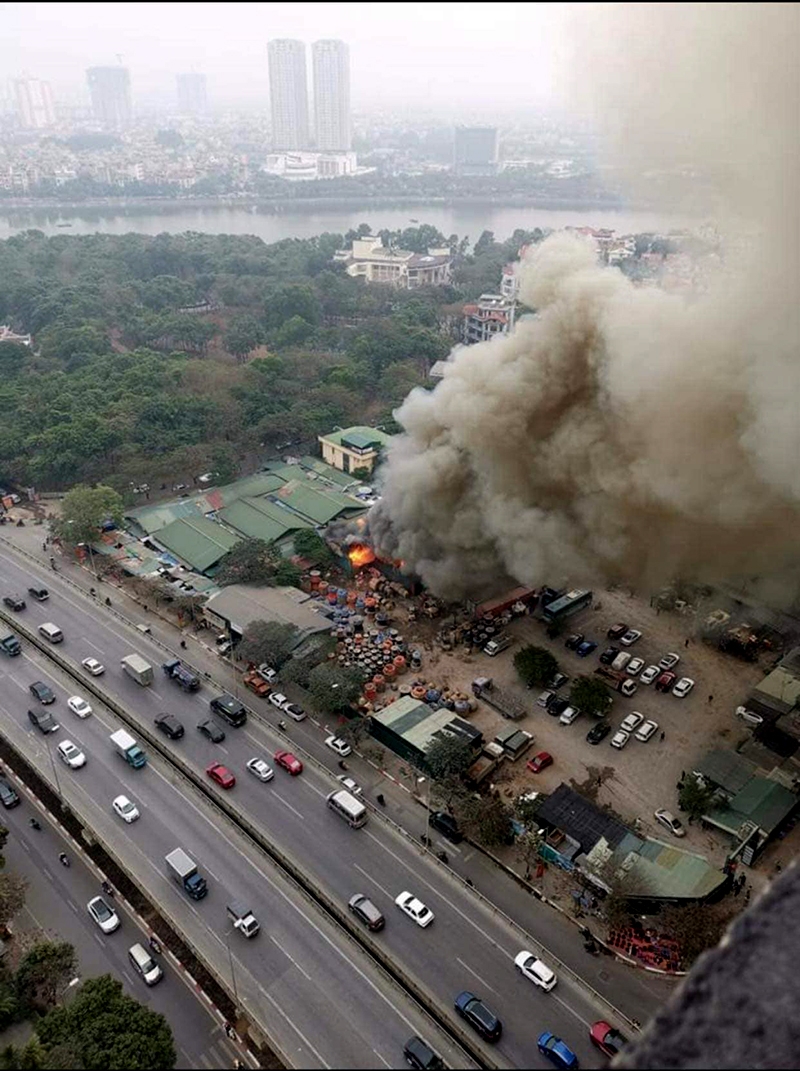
(64, 859)
(381, 800)
(443, 856)
(34, 823)
(107, 889)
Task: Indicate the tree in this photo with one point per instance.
(695, 797)
(535, 665)
(268, 641)
(243, 335)
(310, 544)
(12, 896)
(696, 927)
(250, 562)
(44, 972)
(448, 756)
(591, 696)
(84, 510)
(334, 689)
(487, 820)
(105, 1028)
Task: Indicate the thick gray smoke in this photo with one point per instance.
(627, 434)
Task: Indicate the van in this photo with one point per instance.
(144, 964)
(51, 632)
(365, 910)
(495, 646)
(348, 807)
(8, 796)
(621, 661)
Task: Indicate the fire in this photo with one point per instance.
(360, 555)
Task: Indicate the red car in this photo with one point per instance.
(289, 762)
(540, 762)
(608, 1040)
(221, 774)
(666, 681)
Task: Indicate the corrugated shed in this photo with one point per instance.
(318, 504)
(258, 518)
(197, 542)
(239, 604)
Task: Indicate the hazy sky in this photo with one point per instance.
(443, 55)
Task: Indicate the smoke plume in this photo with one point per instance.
(627, 434)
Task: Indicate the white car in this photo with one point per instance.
(544, 698)
(669, 661)
(635, 666)
(620, 738)
(632, 721)
(415, 909)
(127, 811)
(568, 716)
(93, 666)
(102, 914)
(683, 687)
(71, 755)
(267, 673)
(278, 699)
(749, 716)
(670, 821)
(647, 676)
(630, 637)
(260, 769)
(294, 711)
(646, 730)
(79, 706)
(335, 743)
(349, 784)
(535, 971)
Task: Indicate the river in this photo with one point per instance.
(273, 224)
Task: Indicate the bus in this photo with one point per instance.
(348, 807)
(568, 604)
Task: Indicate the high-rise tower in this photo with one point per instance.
(332, 96)
(288, 93)
(34, 99)
(110, 89)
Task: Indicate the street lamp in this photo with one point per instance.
(55, 768)
(88, 547)
(426, 781)
(230, 961)
(70, 987)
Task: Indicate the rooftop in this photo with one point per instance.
(359, 436)
(240, 604)
(197, 541)
(569, 811)
(727, 769)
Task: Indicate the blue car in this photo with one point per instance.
(556, 1051)
(585, 648)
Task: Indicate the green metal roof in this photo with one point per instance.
(197, 541)
(327, 472)
(318, 504)
(360, 436)
(764, 802)
(662, 870)
(258, 518)
(727, 769)
(153, 518)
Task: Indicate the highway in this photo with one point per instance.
(468, 946)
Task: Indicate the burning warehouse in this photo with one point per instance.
(350, 542)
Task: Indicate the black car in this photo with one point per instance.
(364, 909)
(608, 656)
(445, 824)
(558, 681)
(617, 630)
(14, 602)
(556, 706)
(480, 1017)
(230, 709)
(40, 594)
(575, 640)
(8, 796)
(43, 721)
(43, 692)
(211, 730)
(599, 732)
(169, 726)
(421, 1056)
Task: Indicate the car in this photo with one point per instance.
(221, 775)
(535, 971)
(8, 796)
(43, 692)
(670, 660)
(127, 811)
(556, 706)
(647, 676)
(574, 641)
(79, 706)
(364, 909)
(43, 721)
(646, 730)
(91, 665)
(419, 1055)
(229, 709)
(599, 732)
(106, 919)
(617, 630)
(349, 784)
(14, 602)
(211, 731)
(169, 725)
(261, 769)
(294, 711)
(478, 1015)
(540, 762)
(605, 1038)
(445, 824)
(267, 673)
(289, 762)
(608, 656)
(224, 645)
(544, 698)
(635, 666)
(629, 638)
(71, 755)
(414, 908)
(558, 681)
(40, 594)
(556, 1051)
(585, 648)
(620, 738)
(277, 699)
(632, 721)
(666, 818)
(335, 743)
(683, 687)
(749, 716)
(568, 716)
(666, 680)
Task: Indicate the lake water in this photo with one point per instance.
(295, 221)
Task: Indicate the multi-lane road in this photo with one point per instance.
(325, 1003)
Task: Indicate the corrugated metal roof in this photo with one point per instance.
(318, 504)
(258, 518)
(153, 518)
(240, 604)
(764, 802)
(662, 870)
(327, 472)
(359, 435)
(572, 813)
(197, 541)
(727, 769)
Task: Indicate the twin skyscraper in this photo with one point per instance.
(288, 90)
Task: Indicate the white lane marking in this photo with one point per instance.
(296, 1029)
(19, 684)
(288, 805)
(571, 1010)
(290, 958)
(88, 642)
(475, 974)
(211, 872)
(369, 877)
(158, 695)
(380, 1057)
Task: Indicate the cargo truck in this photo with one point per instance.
(136, 667)
(9, 643)
(243, 918)
(508, 705)
(618, 682)
(177, 672)
(495, 646)
(184, 871)
(128, 748)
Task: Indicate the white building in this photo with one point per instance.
(288, 94)
(331, 61)
(369, 259)
(305, 166)
(491, 315)
(35, 109)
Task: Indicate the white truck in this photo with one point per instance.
(243, 918)
(136, 667)
(128, 748)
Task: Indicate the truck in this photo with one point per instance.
(256, 683)
(495, 646)
(9, 643)
(618, 682)
(136, 667)
(184, 871)
(128, 748)
(243, 918)
(179, 673)
(508, 705)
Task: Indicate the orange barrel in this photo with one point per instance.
(389, 672)
(358, 639)
(351, 598)
(400, 664)
(315, 576)
(370, 604)
(380, 683)
(331, 598)
(370, 691)
(322, 587)
(418, 692)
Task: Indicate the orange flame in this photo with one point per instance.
(360, 555)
